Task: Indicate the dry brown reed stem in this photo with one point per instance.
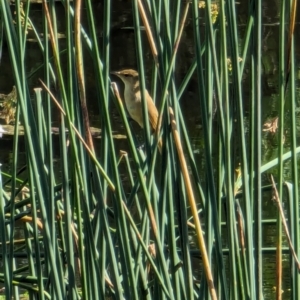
(285, 227)
(175, 49)
(80, 74)
(148, 31)
(241, 229)
(110, 184)
(192, 202)
(52, 36)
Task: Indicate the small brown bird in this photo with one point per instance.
(133, 100)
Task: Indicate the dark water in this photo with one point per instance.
(123, 56)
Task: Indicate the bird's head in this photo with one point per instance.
(128, 76)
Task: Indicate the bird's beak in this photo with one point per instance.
(116, 73)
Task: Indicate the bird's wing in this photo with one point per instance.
(153, 115)
(153, 120)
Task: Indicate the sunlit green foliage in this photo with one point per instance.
(178, 226)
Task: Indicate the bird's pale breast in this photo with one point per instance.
(134, 105)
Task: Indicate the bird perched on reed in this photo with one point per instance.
(133, 100)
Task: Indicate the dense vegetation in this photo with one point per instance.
(173, 226)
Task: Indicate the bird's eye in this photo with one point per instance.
(126, 75)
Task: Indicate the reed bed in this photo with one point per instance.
(176, 228)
